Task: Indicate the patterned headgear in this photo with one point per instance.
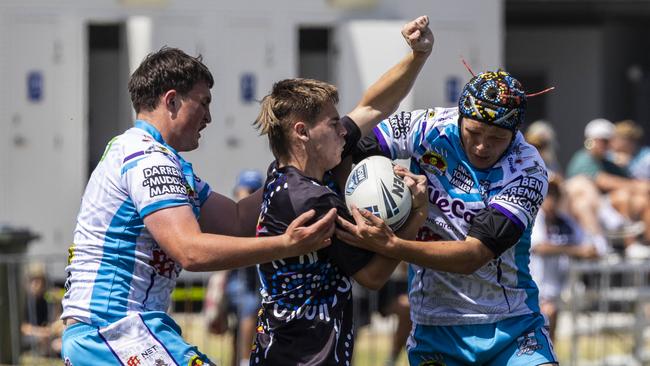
(495, 98)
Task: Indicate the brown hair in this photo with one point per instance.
(290, 100)
(167, 69)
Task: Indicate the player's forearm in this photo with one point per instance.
(208, 252)
(416, 219)
(548, 249)
(375, 274)
(383, 97)
(464, 257)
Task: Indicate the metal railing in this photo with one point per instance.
(372, 342)
(604, 320)
(609, 305)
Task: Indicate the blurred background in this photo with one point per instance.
(64, 66)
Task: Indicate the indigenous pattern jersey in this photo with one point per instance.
(306, 315)
(115, 267)
(515, 186)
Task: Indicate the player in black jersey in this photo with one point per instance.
(306, 315)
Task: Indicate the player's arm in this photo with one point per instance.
(491, 234)
(383, 97)
(177, 231)
(221, 215)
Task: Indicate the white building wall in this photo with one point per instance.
(43, 148)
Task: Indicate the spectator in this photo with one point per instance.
(555, 239)
(542, 135)
(242, 284)
(39, 332)
(592, 176)
(627, 150)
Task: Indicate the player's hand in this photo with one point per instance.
(418, 35)
(417, 185)
(302, 239)
(369, 231)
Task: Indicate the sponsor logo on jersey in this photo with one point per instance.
(535, 170)
(400, 123)
(158, 148)
(528, 344)
(433, 163)
(163, 264)
(359, 175)
(527, 194)
(164, 179)
(484, 189)
(426, 234)
(133, 361)
(461, 179)
(195, 361)
(150, 352)
(453, 208)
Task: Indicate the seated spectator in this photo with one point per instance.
(626, 209)
(41, 333)
(555, 239)
(627, 150)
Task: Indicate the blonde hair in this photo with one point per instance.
(289, 101)
(628, 129)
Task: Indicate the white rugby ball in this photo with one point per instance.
(374, 186)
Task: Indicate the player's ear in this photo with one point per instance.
(171, 102)
(301, 130)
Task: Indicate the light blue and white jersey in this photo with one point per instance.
(515, 186)
(115, 267)
(640, 165)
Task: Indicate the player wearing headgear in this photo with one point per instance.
(473, 301)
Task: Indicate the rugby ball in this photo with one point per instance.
(374, 186)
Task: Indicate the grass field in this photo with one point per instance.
(373, 344)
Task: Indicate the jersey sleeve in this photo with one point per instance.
(400, 135)
(154, 182)
(202, 189)
(521, 198)
(352, 135)
(348, 258)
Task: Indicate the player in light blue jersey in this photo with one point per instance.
(144, 217)
(473, 301)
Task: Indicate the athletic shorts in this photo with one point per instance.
(150, 338)
(519, 341)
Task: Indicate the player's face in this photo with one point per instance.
(484, 144)
(598, 147)
(326, 139)
(193, 116)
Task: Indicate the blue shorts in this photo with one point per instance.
(150, 338)
(518, 341)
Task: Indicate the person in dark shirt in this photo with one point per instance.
(306, 315)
